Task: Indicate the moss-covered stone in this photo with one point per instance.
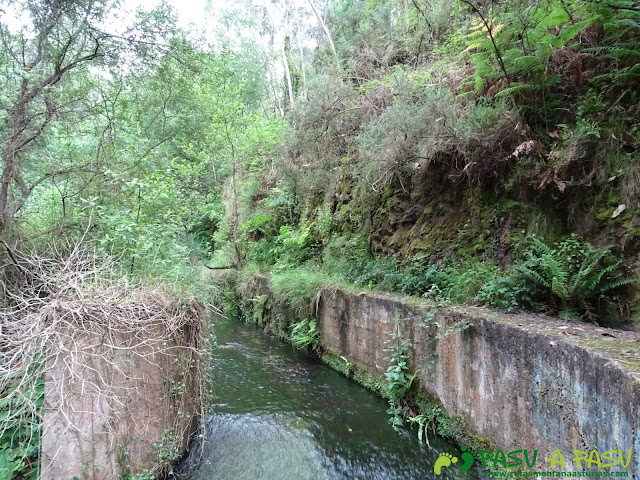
(355, 371)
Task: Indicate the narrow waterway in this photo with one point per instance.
(279, 415)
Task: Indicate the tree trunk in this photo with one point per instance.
(287, 71)
(324, 27)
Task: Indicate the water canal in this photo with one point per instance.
(279, 414)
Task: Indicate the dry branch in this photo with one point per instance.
(69, 314)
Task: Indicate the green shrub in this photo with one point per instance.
(506, 292)
(262, 223)
(304, 334)
(463, 281)
(418, 279)
(290, 248)
(571, 277)
(262, 252)
(282, 203)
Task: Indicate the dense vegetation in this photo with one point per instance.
(117, 134)
(479, 152)
(459, 150)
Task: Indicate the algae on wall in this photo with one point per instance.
(488, 380)
(124, 402)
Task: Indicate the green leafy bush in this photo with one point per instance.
(506, 292)
(462, 282)
(304, 334)
(398, 380)
(289, 249)
(260, 223)
(571, 277)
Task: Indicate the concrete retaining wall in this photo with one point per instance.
(117, 404)
(526, 381)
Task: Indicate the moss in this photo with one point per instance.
(370, 381)
(446, 426)
(624, 351)
(355, 371)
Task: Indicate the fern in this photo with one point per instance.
(483, 69)
(528, 63)
(627, 74)
(570, 31)
(304, 334)
(516, 88)
(571, 274)
(616, 53)
(555, 18)
(620, 27)
(568, 314)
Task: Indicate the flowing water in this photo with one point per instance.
(279, 415)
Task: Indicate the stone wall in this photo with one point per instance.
(524, 381)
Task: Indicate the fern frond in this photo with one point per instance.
(616, 52)
(559, 288)
(613, 284)
(534, 276)
(570, 31)
(629, 74)
(584, 281)
(603, 274)
(517, 88)
(568, 314)
(589, 314)
(554, 18)
(619, 27)
(528, 63)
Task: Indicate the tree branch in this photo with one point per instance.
(26, 190)
(485, 22)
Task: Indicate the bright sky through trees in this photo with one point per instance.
(189, 11)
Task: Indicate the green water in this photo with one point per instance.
(279, 414)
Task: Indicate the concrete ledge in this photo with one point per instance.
(120, 403)
(525, 381)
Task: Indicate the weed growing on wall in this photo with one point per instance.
(305, 335)
(398, 379)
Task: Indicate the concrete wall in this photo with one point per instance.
(526, 382)
(109, 398)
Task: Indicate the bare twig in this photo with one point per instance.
(70, 316)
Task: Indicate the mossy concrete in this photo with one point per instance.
(522, 381)
(116, 406)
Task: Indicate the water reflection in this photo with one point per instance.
(281, 415)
